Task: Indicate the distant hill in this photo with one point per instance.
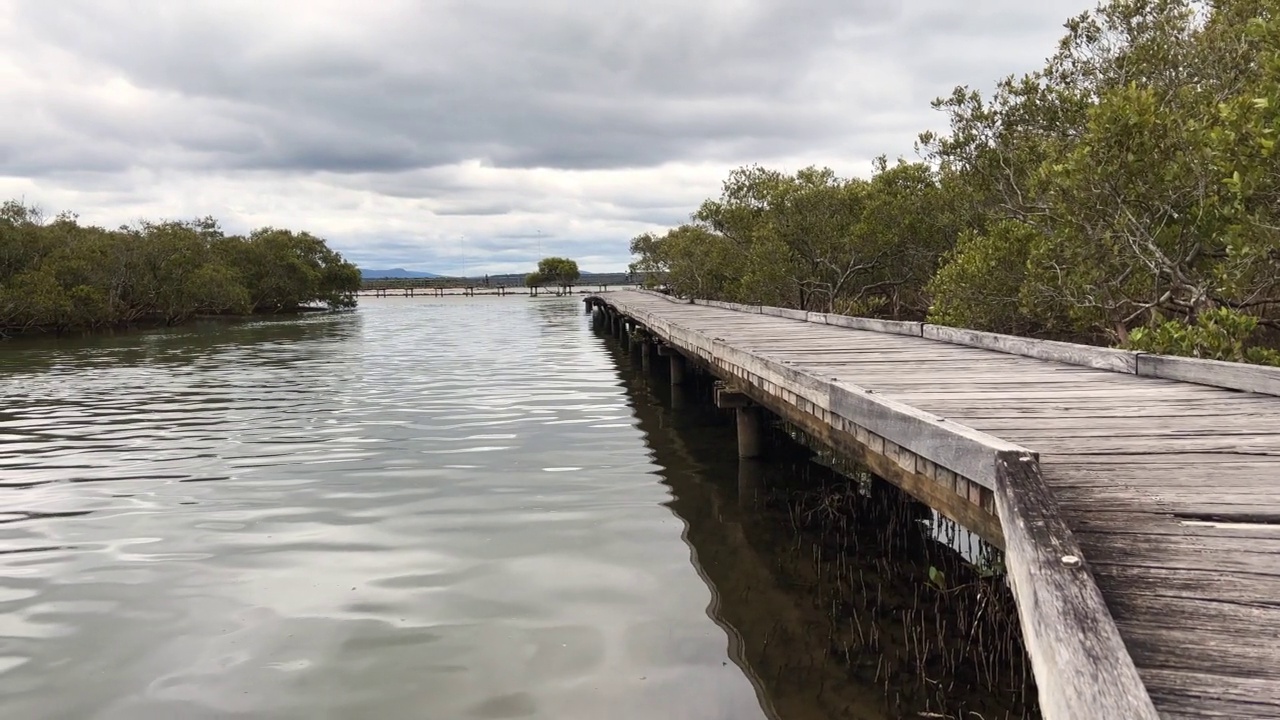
(394, 273)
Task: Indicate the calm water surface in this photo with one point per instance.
(432, 508)
(418, 510)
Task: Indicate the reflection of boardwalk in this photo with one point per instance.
(1170, 491)
(778, 586)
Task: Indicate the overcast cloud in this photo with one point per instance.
(449, 135)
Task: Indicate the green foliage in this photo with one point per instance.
(562, 271)
(1143, 157)
(697, 262)
(937, 578)
(810, 240)
(1128, 187)
(980, 285)
(1219, 334)
(61, 275)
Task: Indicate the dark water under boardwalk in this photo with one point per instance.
(460, 508)
(844, 597)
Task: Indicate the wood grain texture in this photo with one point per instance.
(893, 327)
(1082, 667)
(784, 313)
(656, 294)
(737, 307)
(967, 451)
(1237, 376)
(1169, 488)
(937, 492)
(1071, 353)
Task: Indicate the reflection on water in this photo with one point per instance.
(452, 508)
(843, 597)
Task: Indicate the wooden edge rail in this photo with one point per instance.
(896, 327)
(1122, 361)
(1081, 665)
(1263, 379)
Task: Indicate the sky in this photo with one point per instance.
(473, 136)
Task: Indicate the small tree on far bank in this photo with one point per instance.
(562, 271)
(533, 281)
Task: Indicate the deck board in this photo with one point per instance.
(1172, 488)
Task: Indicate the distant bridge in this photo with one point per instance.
(504, 284)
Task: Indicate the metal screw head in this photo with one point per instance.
(1071, 561)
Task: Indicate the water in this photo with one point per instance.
(439, 508)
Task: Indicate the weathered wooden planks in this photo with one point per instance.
(969, 452)
(1101, 358)
(1081, 664)
(909, 441)
(1236, 376)
(896, 327)
(1171, 489)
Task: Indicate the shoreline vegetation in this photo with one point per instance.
(58, 276)
(1125, 194)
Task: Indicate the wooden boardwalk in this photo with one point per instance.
(389, 289)
(1140, 515)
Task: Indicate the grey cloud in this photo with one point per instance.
(476, 256)
(472, 210)
(567, 85)
(378, 103)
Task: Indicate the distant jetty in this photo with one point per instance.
(502, 285)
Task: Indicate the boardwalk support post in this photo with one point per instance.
(749, 418)
(750, 432)
(679, 397)
(677, 369)
(677, 363)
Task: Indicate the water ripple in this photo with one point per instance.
(434, 508)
